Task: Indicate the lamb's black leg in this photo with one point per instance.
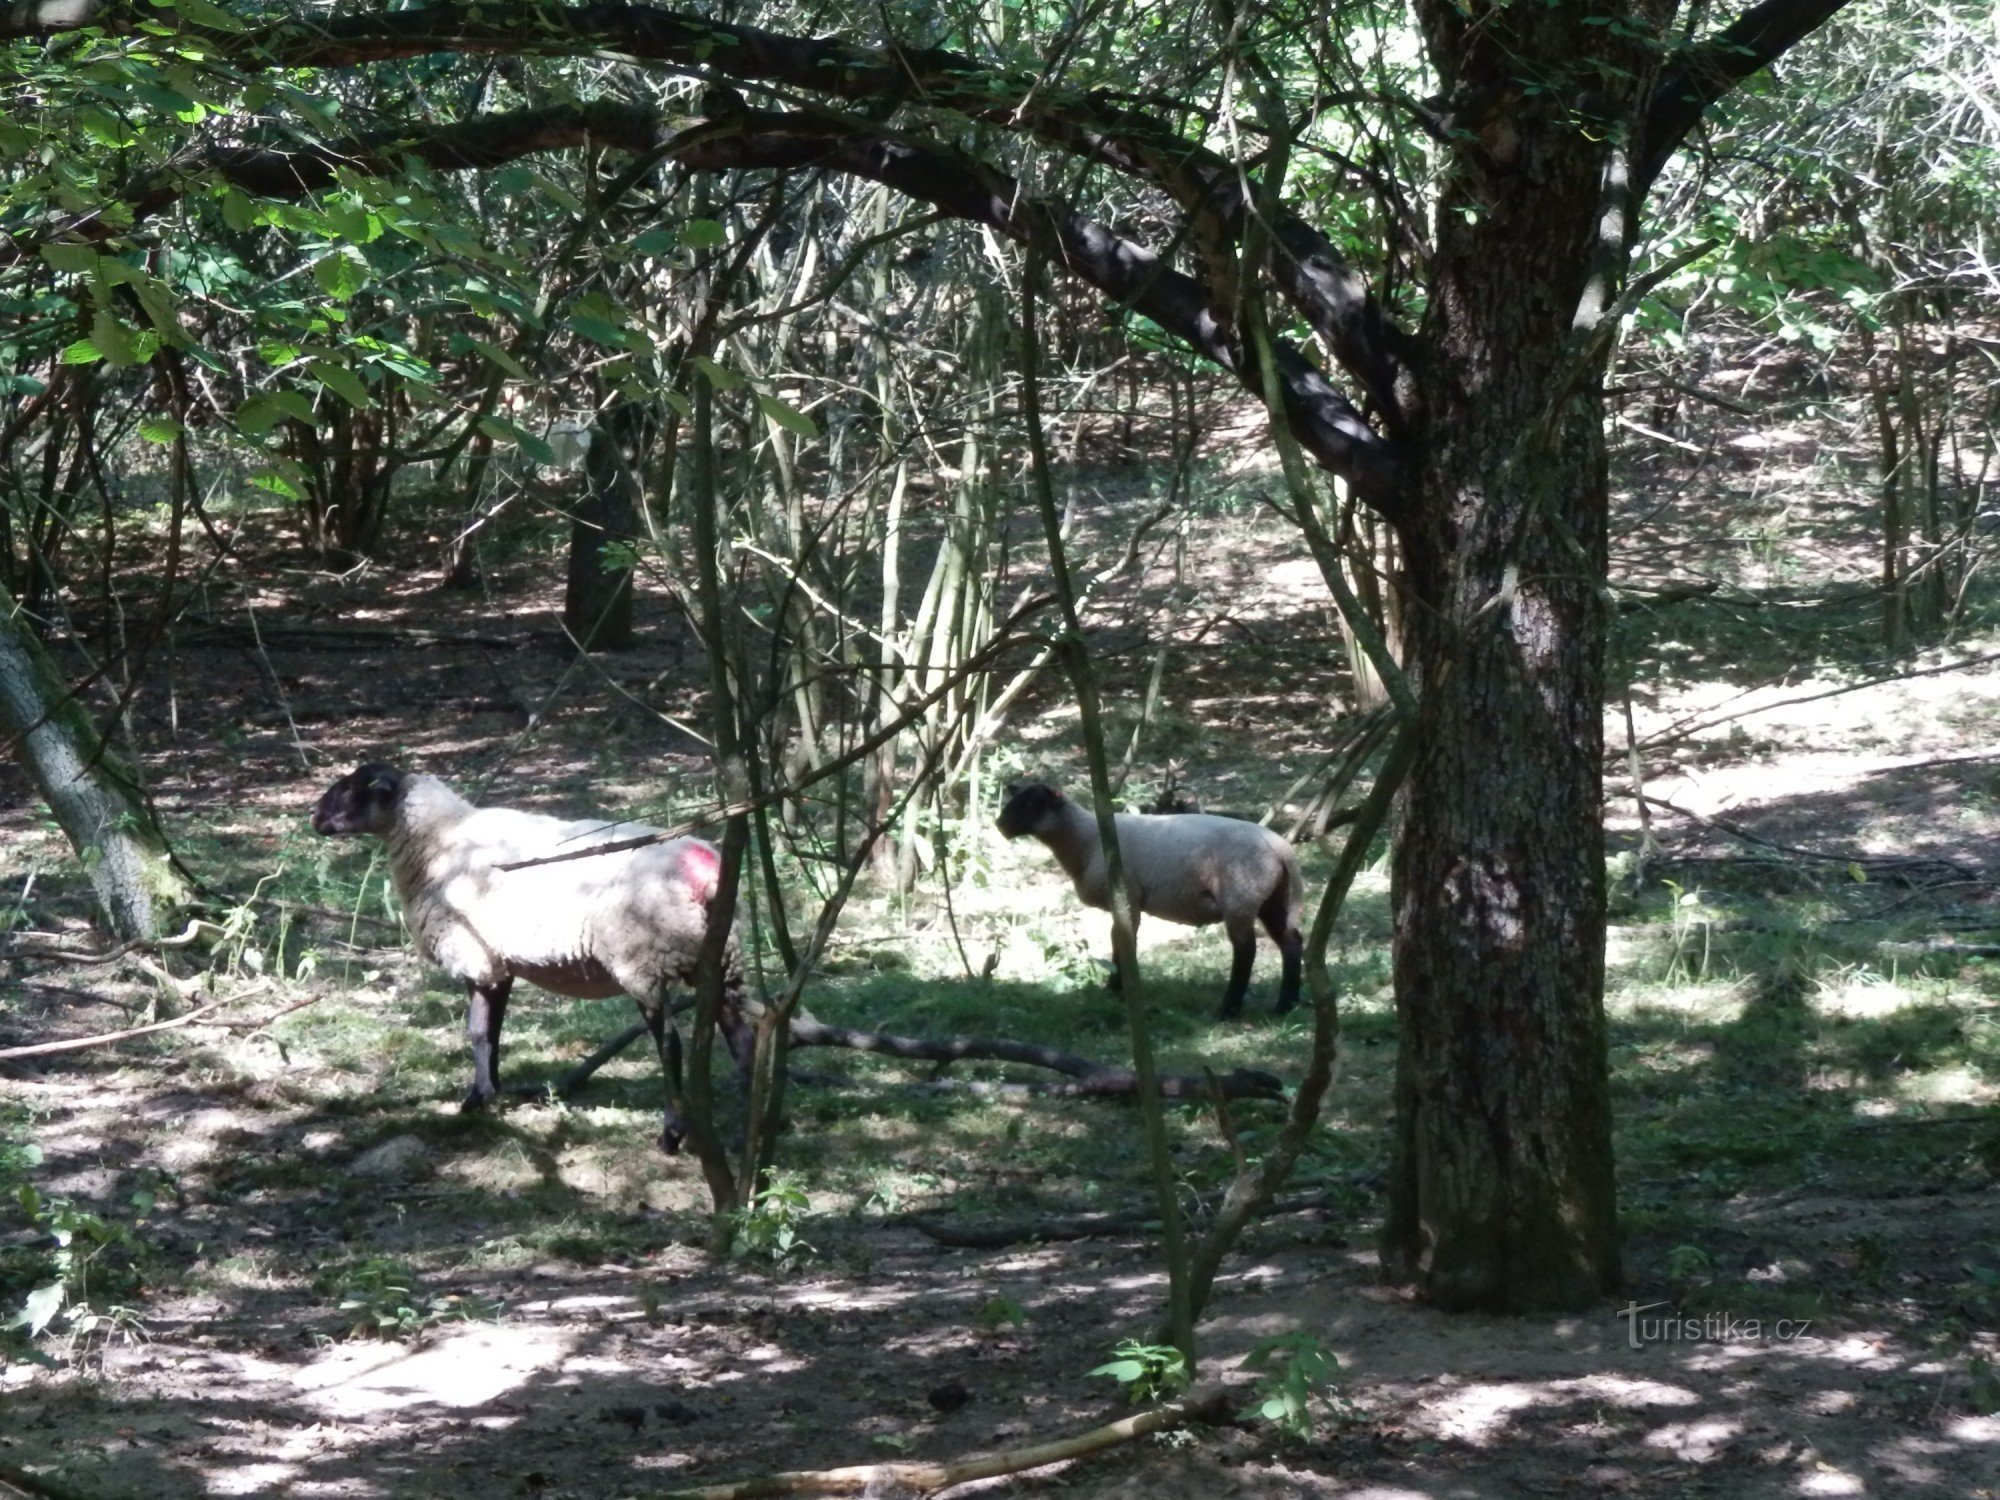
(486, 1009)
(1243, 944)
(667, 1042)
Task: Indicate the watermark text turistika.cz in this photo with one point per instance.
(1710, 1328)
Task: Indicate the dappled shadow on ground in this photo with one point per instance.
(623, 1360)
(1940, 813)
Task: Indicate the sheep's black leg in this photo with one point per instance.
(1116, 983)
(1243, 943)
(1291, 947)
(667, 1042)
(1284, 929)
(486, 1009)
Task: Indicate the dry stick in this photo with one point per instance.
(83, 1043)
(979, 662)
(1095, 1080)
(1694, 724)
(998, 1236)
(1888, 863)
(16, 1481)
(1249, 1189)
(1646, 841)
(927, 1478)
(71, 956)
(1124, 917)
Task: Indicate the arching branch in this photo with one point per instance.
(1208, 188)
(1754, 40)
(964, 187)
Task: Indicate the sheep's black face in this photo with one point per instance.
(1028, 804)
(362, 801)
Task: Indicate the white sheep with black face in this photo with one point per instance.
(1193, 868)
(630, 922)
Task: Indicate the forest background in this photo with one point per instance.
(1473, 440)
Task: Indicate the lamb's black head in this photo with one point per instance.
(1028, 804)
(362, 801)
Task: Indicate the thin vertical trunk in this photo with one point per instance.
(93, 796)
(597, 601)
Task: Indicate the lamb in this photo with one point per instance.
(631, 922)
(1193, 868)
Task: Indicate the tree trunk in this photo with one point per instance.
(94, 799)
(597, 604)
(1501, 1190)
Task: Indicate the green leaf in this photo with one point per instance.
(353, 222)
(276, 483)
(341, 274)
(598, 331)
(258, 416)
(77, 259)
(82, 352)
(718, 377)
(656, 242)
(502, 430)
(203, 13)
(703, 234)
(502, 358)
(239, 210)
(114, 340)
(104, 127)
(342, 381)
(160, 429)
(787, 416)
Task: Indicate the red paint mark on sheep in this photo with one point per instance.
(704, 867)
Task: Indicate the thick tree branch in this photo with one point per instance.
(1326, 424)
(1210, 189)
(1754, 40)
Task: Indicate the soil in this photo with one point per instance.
(656, 1366)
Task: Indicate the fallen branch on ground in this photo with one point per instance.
(925, 1478)
(105, 1039)
(1692, 724)
(1904, 867)
(1093, 1080)
(998, 1235)
(78, 956)
(17, 1481)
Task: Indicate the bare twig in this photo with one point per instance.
(1090, 1079)
(75, 956)
(999, 1235)
(1695, 723)
(1876, 864)
(925, 1478)
(105, 1039)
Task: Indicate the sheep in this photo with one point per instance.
(1193, 868)
(631, 922)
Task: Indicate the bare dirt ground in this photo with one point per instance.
(636, 1363)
